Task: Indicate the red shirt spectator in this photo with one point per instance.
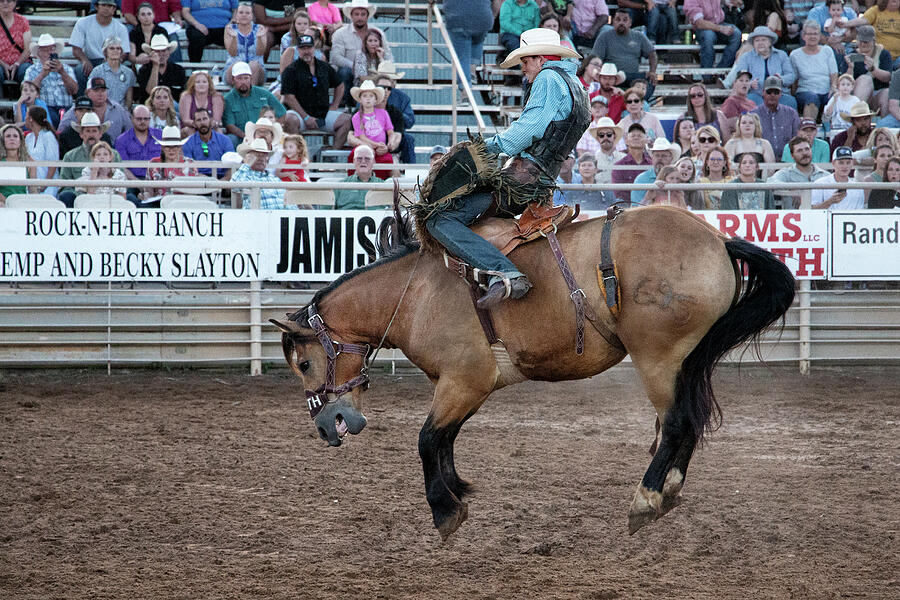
(9, 54)
(163, 10)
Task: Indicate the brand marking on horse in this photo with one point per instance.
(660, 293)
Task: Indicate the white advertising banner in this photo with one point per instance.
(865, 245)
(184, 245)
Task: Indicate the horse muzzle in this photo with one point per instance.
(338, 418)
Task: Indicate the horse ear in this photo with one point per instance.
(286, 326)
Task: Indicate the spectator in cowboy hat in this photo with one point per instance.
(256, 158)
(270, 131)
(588, 142)
(170, 144)
(610, 79)
(68, 137)
(90, 129)
(662, 154)
(161, 70)
(107, 110)
(372, 126)
(89, 34)
(348, 41)
(607, 135)
(399, 108)
(55, 79)
(764, 61)
(857, 135)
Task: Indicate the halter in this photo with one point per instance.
(316, 399)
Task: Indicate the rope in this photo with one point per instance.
(396, 310)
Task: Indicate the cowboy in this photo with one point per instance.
(55, 79)
(160, 70)
(554, 117)
(69, 139)
(348, 41)
(610, 80)
(857, 135)
(90, 129)
(256, 159)
(272, 133)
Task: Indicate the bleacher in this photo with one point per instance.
(428, 84)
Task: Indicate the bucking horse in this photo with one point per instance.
(685, 295)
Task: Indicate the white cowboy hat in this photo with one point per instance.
(661, 144)
(264, 123)
(368, 86)
(171, 136)
(160, 42)
(610, 69)
(46, 40)
(538, 42)
(606, 123)
(91, 120)
(257, 145)
(860, 109)
(387, 69)
(349, 6)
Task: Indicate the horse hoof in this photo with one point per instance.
(453, 522)
(674, 483)
(645, 508)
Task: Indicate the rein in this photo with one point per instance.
(318, 398)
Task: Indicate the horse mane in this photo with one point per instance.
(394, 240)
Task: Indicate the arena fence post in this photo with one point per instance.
(804, 288)
(429, 20)
(255, 328)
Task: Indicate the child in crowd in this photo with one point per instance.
(835, 24)
(372, 126)
(102, 155)
(295, 153)
(588, 143)
(27, 99)
(840, 103)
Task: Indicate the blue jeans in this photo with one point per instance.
(786, 99)
(451, 228)
(888, 121)
(662, 24)
(346, 76)
(804, 98)
(707, 38)
(407, 148)
(468, 48)
(510, 41)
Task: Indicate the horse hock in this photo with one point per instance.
(338, 418)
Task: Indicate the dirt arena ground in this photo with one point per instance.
(212, 484)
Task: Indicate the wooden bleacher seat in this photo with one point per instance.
(33, 201)
(102, 201)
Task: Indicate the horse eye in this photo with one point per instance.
(304, 366)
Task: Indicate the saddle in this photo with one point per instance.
(506, 235)
(543, 222)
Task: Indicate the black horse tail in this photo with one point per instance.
(766, 297)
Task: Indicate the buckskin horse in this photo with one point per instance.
(683, 307)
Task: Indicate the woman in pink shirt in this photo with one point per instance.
(372, 126)
(326, 14)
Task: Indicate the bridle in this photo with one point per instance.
(316, 399)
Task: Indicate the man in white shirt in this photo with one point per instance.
(348, 41)
(839, 199)
(88, 36)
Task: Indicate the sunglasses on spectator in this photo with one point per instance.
(205, 147)
(773, 92)
(608, 134)
(697, 95)
(633, 101)
(706, 140)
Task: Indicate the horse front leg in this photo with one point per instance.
(444, 489)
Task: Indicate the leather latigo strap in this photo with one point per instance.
(473, 279)
(575, 292)
(608, 279)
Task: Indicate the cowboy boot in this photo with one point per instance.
(498, 292)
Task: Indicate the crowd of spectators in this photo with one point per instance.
(810, 83)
